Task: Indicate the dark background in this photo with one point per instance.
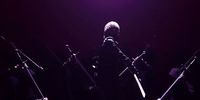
(41, 28)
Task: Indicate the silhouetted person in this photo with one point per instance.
(109, 62)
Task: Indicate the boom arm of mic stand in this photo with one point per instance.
(30, 59)
(185, 66)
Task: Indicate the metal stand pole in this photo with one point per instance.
(26, 66)
(134, 73)
(185, 67)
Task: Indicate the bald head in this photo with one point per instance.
(111, 29)
(111, 24)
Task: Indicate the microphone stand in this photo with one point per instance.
(135, 73)
(29, 73)
(80, 64)
(26, 66)
(185, 67)
(132, 63)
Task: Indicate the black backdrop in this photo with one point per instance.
(41, 28)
